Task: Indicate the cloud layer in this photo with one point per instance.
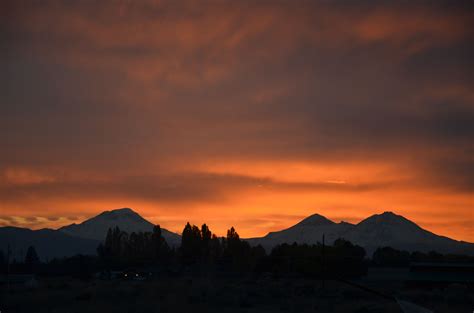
(235, 113)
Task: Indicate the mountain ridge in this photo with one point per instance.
(377, 230)
(315, 219)
(19, 239)
(126, 219)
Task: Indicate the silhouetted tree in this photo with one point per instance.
(119, 242)
(114, 246)
(341, 259)
(206, 236)
(136, 248)
(215, 248)
(346, 249)
(101, 251)
(31, 256)
(236, 251)
(3, 262)
(345, 259)
(388, 256)
(31, 259)
(190, 244)
(159, 247)
(232, 235)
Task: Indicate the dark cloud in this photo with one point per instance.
(186, 187)
(124, 99)
(456, 175)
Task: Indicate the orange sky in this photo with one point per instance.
(246, 114)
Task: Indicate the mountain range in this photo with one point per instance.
(379, 230)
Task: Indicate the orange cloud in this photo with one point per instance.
(248, 114)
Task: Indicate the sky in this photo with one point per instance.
(252, 114)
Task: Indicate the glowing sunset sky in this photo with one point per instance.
(251, 114)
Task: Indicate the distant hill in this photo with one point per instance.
(379, 230)
(126, 219)
(48, 243)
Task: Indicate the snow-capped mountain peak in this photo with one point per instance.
(315, 220)
(126, 219)
(124, 213)
(388, 220)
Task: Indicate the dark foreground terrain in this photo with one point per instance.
(203, 293)
(141, 273)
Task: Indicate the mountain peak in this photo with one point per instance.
(125, 218)
(388, 218)
(388, 214)
(123, 210)
(119, 213)
(315, 220)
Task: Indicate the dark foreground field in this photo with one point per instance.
(225, 294)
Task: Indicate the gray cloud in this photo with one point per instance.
(149, 90)
(185, 187)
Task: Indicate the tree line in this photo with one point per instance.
(119, 246)
(388, 256)
(201, 249)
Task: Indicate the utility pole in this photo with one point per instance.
(8, 267)
(322, 264)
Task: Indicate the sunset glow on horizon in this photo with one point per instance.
(246, 114)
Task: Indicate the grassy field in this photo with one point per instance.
(221, 294)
